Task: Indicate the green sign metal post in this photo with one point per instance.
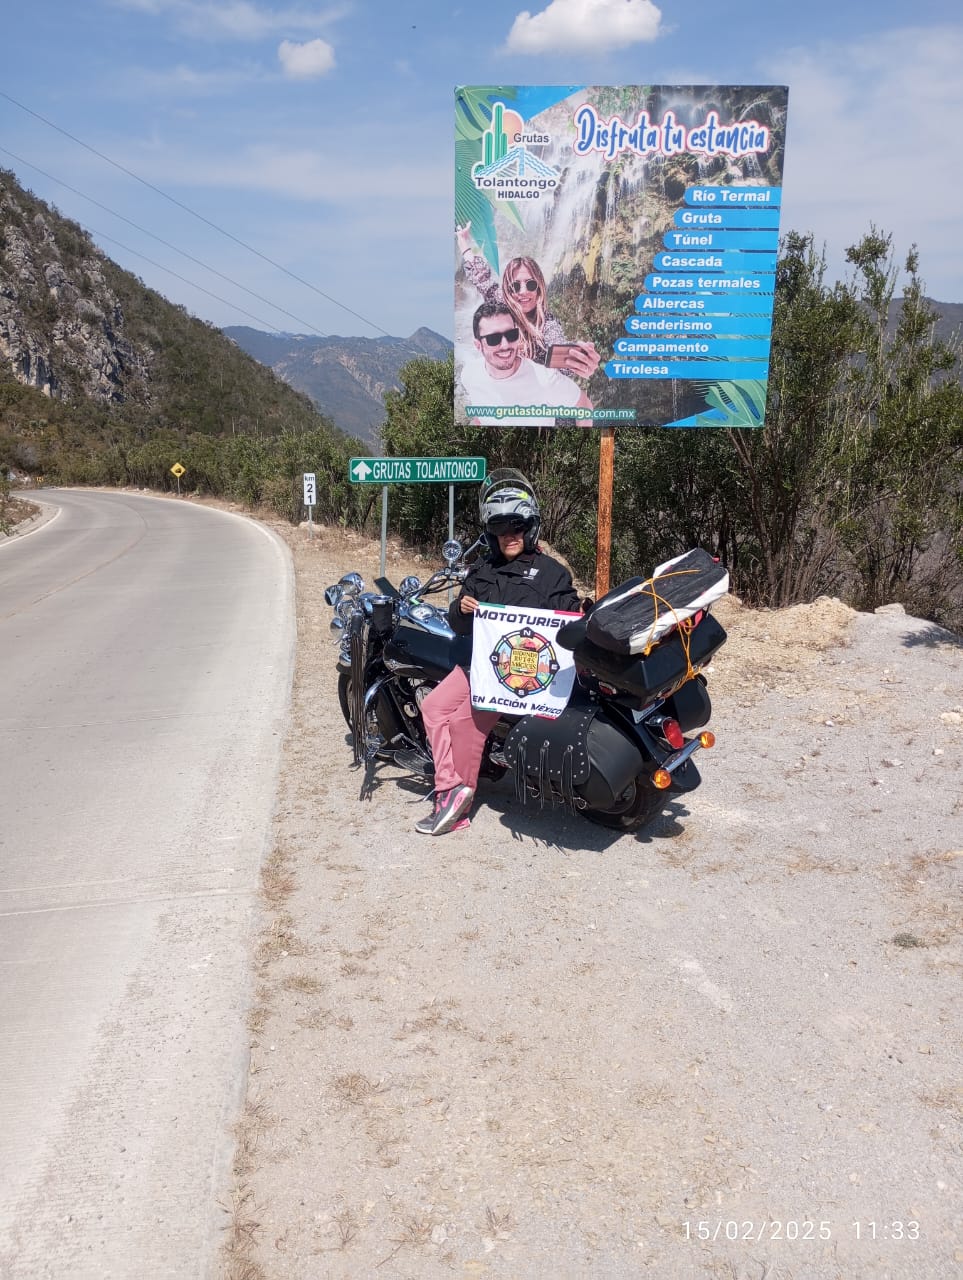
(416, 470)
(387, 471)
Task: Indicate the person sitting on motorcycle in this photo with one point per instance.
(515, 571)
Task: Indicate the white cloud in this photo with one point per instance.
(233, 19)
(187, 82)
(873, 138)
(584, 26)
(304, 173)
(305, 61)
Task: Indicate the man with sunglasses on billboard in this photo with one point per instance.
(503, 379)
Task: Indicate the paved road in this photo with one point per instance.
(146, 649)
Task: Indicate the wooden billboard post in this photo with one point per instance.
(603, 541)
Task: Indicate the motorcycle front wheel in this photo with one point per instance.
(638, 804)
(344, 701)
(344, 696)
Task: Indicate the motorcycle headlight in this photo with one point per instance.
(409, 586)
(336, 626)
(332, 595)
(352, 584)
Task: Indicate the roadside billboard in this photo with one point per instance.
(616, 253)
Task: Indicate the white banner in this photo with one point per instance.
(517, 666)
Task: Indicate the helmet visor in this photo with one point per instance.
(499, 525)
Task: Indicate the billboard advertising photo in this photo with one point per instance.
(615, 254)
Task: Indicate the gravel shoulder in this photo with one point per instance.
(535, 1048)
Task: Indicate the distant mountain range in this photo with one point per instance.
(346, 378)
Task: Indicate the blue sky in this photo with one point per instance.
(321, 135)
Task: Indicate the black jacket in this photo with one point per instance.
(532, 580)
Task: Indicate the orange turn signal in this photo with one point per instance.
(707, 739)
(661, 779)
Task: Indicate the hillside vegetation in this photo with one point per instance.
(103, 381)
(854, 487)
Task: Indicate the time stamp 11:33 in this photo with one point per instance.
(774, 1230)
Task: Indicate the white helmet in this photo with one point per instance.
(507, 502)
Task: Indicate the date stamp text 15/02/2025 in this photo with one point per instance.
(775, 1230)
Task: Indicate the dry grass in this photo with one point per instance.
(413, 1231)
(278, 942)
(303, 982)
(321, 1019)
(907, 940)
(241, 1236)
(255, 1120)
(377, 926)
(804, 862)
(354, 1088)
(499, 1222)
(365, 953)
(652, 1097)
(345, 1225)
(949, 1098)
(257, 1018)
(435, 1018)
(277, 877)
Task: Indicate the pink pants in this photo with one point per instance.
(456, 733)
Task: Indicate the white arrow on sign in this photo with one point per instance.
(362, 469)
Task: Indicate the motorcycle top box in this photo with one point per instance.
(636, 615)
(669, 663)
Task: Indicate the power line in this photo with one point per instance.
(160, 240)
(257, 253)
(127, 249)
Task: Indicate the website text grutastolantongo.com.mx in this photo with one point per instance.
(548, 411)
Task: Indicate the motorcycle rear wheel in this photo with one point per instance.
(638, 804)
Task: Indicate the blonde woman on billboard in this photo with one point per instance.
(523, 291)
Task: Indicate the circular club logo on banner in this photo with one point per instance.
(524, 662)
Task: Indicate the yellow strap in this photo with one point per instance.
(685, 635)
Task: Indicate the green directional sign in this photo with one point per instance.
(416, 470)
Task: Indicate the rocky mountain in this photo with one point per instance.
(345, 377)
(61, 321)
(93, 342)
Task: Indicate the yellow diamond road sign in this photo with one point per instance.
(177, 470)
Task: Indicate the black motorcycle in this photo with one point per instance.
(615, 755)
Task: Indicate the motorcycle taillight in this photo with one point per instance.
(673, 734)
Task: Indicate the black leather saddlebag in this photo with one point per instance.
(582, 753)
